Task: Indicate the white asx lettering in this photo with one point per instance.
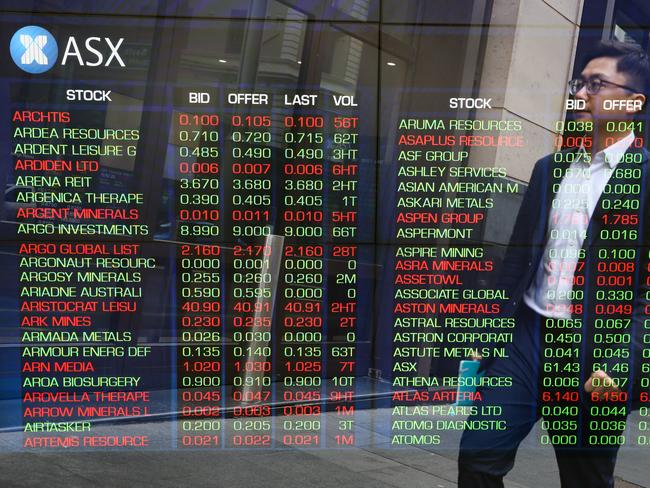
(91, 44)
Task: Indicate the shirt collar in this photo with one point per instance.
(613, 154)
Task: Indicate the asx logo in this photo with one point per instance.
(35, 50)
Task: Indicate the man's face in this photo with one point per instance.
(605, 69)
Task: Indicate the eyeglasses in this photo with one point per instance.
(594, 85)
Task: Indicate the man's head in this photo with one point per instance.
(614, 82)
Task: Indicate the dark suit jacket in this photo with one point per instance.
(612, 226)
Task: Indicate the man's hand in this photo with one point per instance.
(600, 382)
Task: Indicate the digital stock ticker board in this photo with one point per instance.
(302, 224)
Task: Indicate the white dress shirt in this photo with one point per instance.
(550, 292)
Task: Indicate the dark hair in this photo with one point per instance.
(632, 61)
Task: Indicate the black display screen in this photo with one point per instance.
(262, 225)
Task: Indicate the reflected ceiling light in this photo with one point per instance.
(390, 63)
(223, 61)
(299, 62)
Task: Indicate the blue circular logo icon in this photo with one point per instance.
(33, 49)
